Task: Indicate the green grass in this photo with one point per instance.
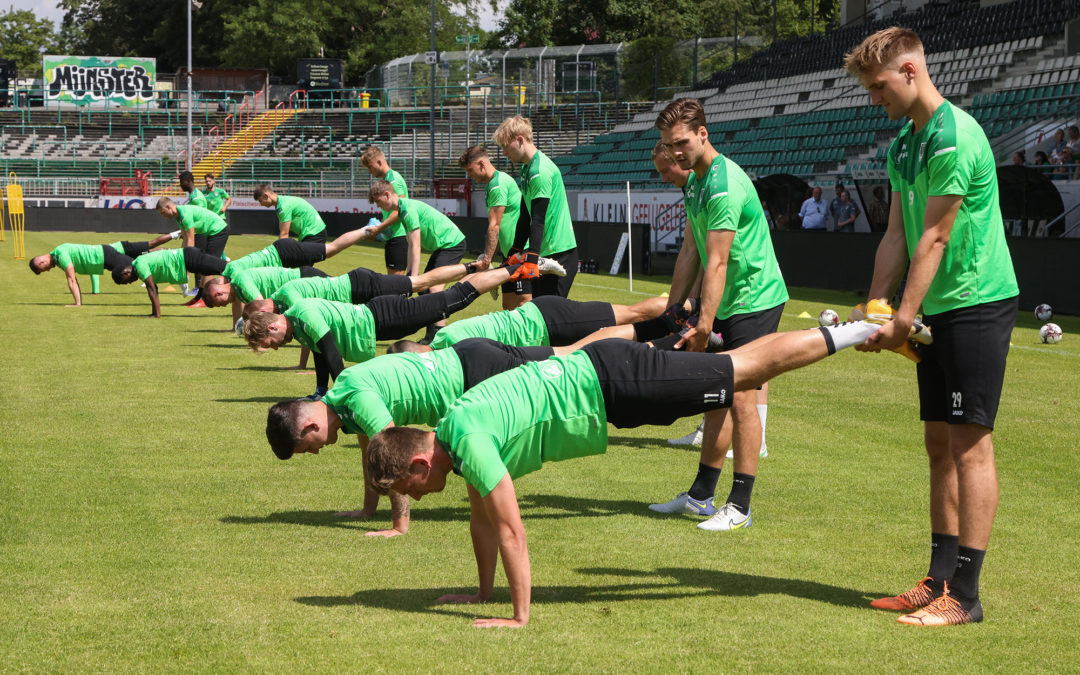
(146, 526)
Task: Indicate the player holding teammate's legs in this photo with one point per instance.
(295, 215)
(742, 298)
(199, 227)
(945, 228)
(503, 200)
(427, 229)
(508, 425)
(396, 249)
(544, 225)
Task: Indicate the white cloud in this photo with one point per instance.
(43, 9)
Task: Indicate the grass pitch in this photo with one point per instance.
(146, 526)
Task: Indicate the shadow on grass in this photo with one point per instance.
(313, 518)
(226, 345)
(256, 399)
(267, 369)
(664, 583)
(649, 443)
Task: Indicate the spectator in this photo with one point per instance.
(1019, 158)
(1041, 159)
(1067, 168)
(1058, 146)
(813, 212)
(877, 213)
(835, 203)
(1074, 140)
(846, 213)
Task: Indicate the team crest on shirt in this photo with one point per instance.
(551, 370)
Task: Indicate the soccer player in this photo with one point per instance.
(503, 199)
(295, 215)
(393, 390)
(217, 200)
(945, 228)
(544, 225)
(92, 259)
(396, 250)
(167, 266)
(548, 320)
(508, 425)
(742, 288)
(195, 196)
(338, 332)
(199, 226)
(426, 228)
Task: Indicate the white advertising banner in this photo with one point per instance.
(663, 210)
(450, 207)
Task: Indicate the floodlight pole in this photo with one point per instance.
(432, 89)
(187, 162)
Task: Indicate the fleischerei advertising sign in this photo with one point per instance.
(122, 80)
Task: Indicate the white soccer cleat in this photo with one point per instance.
(686, 504)
(727, 518)
(549, 266)
(692, 438)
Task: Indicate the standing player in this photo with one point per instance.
(426, 228)
(503, 200)
(92, 259)
(396, 250)
(741, 287)
(510, 424)
(945, 219)
(295, 216)
(217, 200)
(544, 226)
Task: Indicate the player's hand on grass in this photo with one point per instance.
(498, 623)
(461, 599)
(384, 533)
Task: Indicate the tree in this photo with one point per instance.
(24, 38)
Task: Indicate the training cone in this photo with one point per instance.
(198, 303)
(169, 289)
(804, 315)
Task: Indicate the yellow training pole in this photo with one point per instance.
(16, 216)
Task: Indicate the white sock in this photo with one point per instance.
(847, 334)
(762, 412)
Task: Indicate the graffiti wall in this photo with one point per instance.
(125, 80)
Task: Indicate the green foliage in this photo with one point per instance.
(651, 63)
(24, 38)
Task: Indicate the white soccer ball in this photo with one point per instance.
(1050, 334)
(1044, 312)
(828, 318)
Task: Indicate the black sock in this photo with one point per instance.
(704, 485)
(667, 343)
(942, 558)
(965, 579)
(652, 329)
(742, 484)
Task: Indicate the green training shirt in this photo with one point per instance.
(267, 257)
(215, 200)
(352, 326)
(85, 258)
(521, 327)
(166, 266)
(541, 179)
(202, 220)
(503, 191)
(196, 198)
(725, 199)
(261, 282)
(338, 289)
(951, 156)
(543, 411)
(436, 230)
(302, 217)
(401, 190)
(400, 389)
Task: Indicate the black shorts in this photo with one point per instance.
(396, 254)
(550, 284)
(397, 317)
(446, 256)
(198, 262)
(367, 284)
(306, 272)
(642, 385)
(482, 358)
(517, 287)
(115, 259)
(317, 238)
(961, 373)
(299, 253)
(739, 329)
(134, 249)
(215, 243)
(568, 321)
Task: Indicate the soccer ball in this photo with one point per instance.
(1050, 334)
(1044, 312)
(828, 318)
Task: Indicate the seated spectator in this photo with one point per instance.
(846, 213)
(1067, 168)
(813, 212)
(1040, 159)
(1019, 158)
(1074, 140)
(877, 212)
(1058, 146)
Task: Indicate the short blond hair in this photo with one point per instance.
(511, 128)
(881, 48)
(257, 328)
(660, 150)
(371, 154)
(162, 202)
